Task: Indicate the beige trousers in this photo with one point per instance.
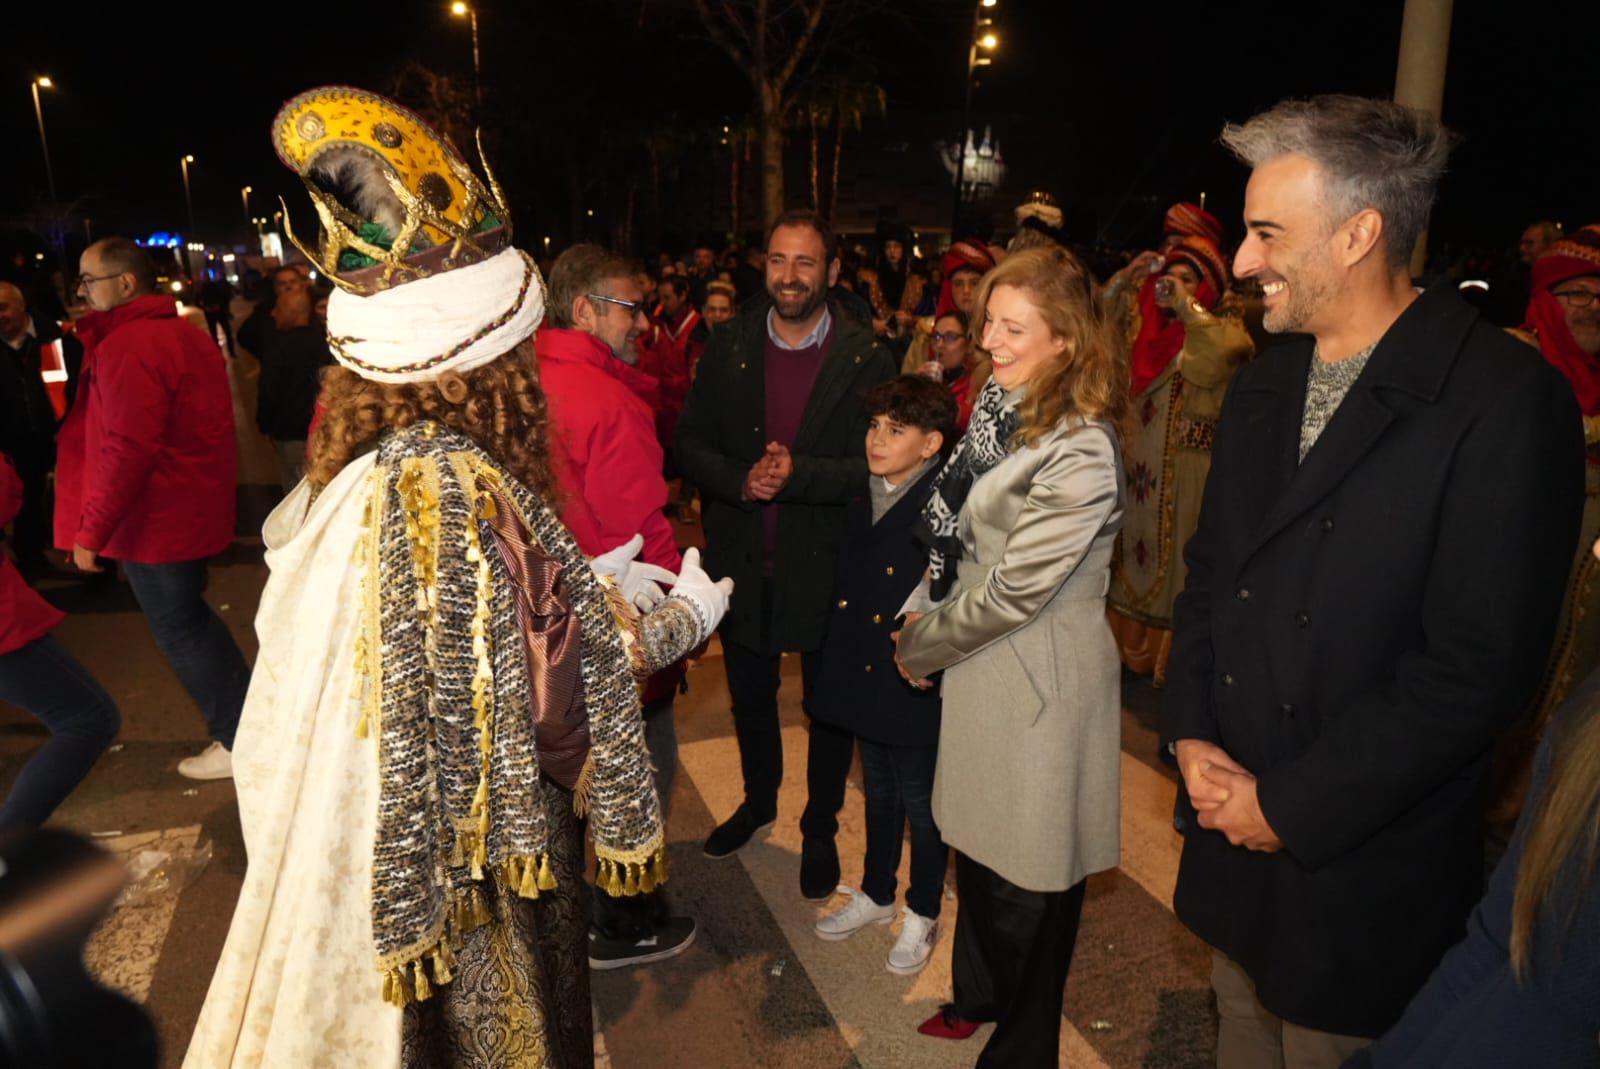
(1251, 1037)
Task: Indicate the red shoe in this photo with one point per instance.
(946, 1025)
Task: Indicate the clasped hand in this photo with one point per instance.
(1223, 793)
(770, 474)
(920, 684)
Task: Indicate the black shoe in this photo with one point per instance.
(819, 869)
(671, 938)
(734, 832)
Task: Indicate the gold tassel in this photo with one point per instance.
(631, 887)
(424, 989)
(389, 990)
(647, 880)
(547, 879)
(441, 966)
(661, 866)
(529, 884)
(361, 725)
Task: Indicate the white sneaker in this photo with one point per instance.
(214, 762)
(855, 915)
(915, 944)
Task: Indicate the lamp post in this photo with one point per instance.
(245, 194)
(38, 113)
(983, 40)
(461, 9)
(188, 203)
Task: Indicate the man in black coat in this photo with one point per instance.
(38, 374)
(1372, 590)
(772, 435)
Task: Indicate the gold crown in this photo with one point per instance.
(425, 210)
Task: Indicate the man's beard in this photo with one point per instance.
(796, 307)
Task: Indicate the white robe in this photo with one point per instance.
(297, 985)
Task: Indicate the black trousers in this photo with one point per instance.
(1012, 950)
(753, 678)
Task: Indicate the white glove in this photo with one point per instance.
(635, 578)
(710, 600)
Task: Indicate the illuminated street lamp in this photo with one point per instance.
(467, 11)
(188, 201)
(38, 113)
(983, 41)
(245, 193)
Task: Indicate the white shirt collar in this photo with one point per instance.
(818, 333)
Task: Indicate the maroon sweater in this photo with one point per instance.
(790, 374)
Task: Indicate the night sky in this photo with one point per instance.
(1124, 99)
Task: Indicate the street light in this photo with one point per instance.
(464, 10)
(984, 38)
(39, 83)
(245, 193)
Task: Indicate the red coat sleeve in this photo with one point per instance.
(10, 491)
(133, 391)
(623, 486)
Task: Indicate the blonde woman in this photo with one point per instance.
(1022, 525)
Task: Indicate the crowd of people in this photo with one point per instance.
(1345, 522)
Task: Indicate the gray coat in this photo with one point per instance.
(1030, 746)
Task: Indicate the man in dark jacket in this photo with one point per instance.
(1372, 590)
(772, 435)
(38, 370)
(293, 354)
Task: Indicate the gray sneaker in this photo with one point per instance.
(915, 945)
(214, 762)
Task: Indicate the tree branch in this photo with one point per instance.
(813, 17)
(720, 35)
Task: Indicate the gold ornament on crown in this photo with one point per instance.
(445, 209)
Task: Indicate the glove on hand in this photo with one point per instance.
(710, 599)
(635, 578)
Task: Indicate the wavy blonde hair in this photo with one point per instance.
(499, 406)
(1090, 379)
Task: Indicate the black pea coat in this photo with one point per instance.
(1355, 630)
(723, 433)
(858, 686)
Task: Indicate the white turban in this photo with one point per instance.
(451, 321)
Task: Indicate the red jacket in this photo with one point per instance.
(24, 615)
(606, 459)
(603, 447)
(145, 460)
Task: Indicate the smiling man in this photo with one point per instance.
(772, 436)
(1372, 588)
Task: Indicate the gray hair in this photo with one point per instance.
(123, 256)
(576, 273)
(1372, 154)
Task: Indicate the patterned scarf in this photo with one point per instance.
(446, 691)
(986, 443)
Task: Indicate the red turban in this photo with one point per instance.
(1191, 219)
(1547, 319)
(971, 254)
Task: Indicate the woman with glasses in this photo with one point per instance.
(951, 361)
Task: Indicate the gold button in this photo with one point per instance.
(877, 619)
(869, 668)
(889, 570)
(843, 604)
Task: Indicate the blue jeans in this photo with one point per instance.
(51, 685)
(898, 784)
(194, 640)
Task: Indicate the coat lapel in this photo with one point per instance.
(1410, 363)
(838, 371)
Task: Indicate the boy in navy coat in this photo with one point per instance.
(897, 726)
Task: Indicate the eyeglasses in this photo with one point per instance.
(1576, 298)
(947, 336)
(635, 308)
(83, 280)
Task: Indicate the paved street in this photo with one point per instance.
(756, 989)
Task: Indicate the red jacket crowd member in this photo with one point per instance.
(39, 675)
(145, 476)
(607, 462)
